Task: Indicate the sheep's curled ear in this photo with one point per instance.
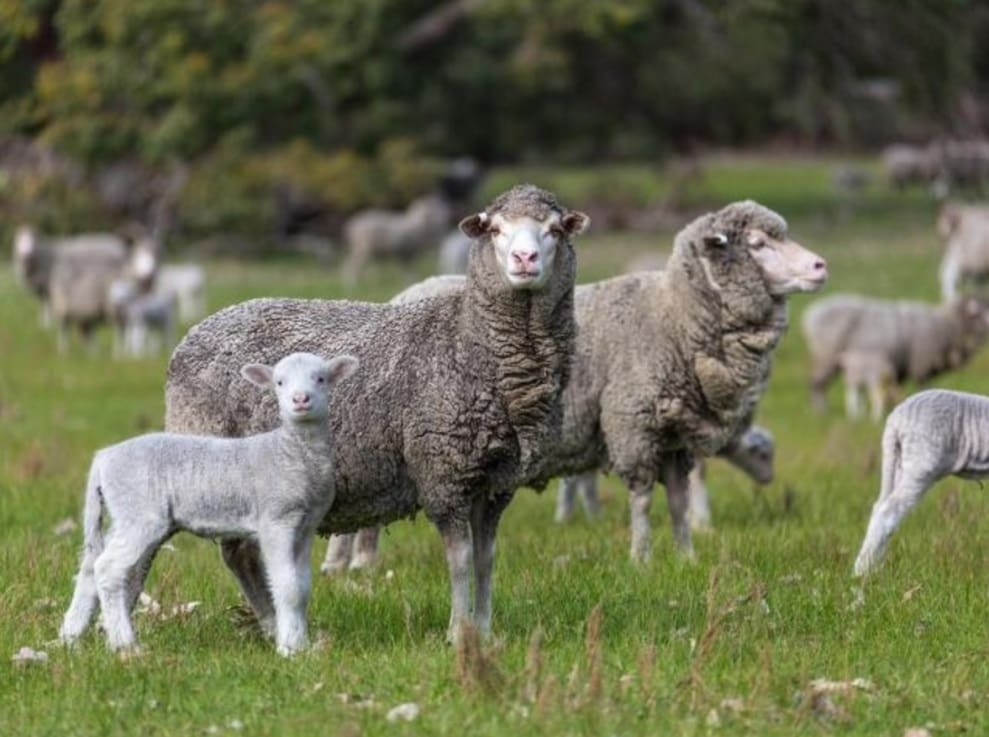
(575, 222)
(341, 367)
(717, 240)
(476, 225)
(257, 373)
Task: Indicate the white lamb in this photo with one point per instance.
(931, 435)
(274, 487)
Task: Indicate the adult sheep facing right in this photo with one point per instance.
(460, 401)
(878, 344)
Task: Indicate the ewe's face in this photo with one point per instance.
(526, 247)
(756, 456)
(786, 265)
(302, 383)
(23, 243)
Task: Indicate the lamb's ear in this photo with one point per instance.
(716, 241)
(575, 222)
(476, 225)
(341, 367)
(257, 373)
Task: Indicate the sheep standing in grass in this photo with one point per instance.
(932, 435)
(965, 229)
(878, 344)
(670, 364)
(143, 323)
(460, 403)
(379, 234)
(274, 488)
(187, 284)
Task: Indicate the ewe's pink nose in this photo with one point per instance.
(523, 258)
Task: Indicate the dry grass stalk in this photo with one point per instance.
(595, 658)
(533, 665)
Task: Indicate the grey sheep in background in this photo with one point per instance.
(752, 452)
(905, 165)
(931, 435)
(274, 487)
(460, 400)
(35, 256)
(379, 234)
(965, 229)
(454, 253)
(669, 365)
(186, 282)
(143, 323)
(879, 344)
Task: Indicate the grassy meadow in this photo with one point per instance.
(585, 643)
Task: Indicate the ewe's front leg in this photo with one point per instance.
(698, 506)
(243, 558)
(587, 486)
(459, 559)
(365, 552)
(675, 479)
(566, 494)
(640, 502)
(485, 515)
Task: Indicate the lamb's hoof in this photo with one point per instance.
(129, 653)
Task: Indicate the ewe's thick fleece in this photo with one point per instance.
(456, 396)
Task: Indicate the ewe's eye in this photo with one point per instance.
(279, 382)
(494, 230)
(556, 231)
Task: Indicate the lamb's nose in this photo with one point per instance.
(300, 398)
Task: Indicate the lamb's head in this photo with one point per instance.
(754, 454)
(746, 241)
(302, 383)
(526, 230)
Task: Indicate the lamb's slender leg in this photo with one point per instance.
(485, 515)
(949, 273)
(459, 559)
(675, 474)
(285, 553)
(365, 548)
(887, 514)
(338, 551)
(640, 502)
(587, 486)
(565, 494)
(114, 568)
(84, 602)
(853, 405)
(698, 506)
(877, 398)
(243, 558)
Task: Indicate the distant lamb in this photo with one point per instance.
(931, 435)
(460, 401)
(273, 488)
(879, 344)
(965, 229)
(378, 234)
(669, 365)
(187, 284)
(144, 324)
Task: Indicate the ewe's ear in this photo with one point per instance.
(476, 225)
(341, 367)
(716, 241)
(257, 373)
(575, 222)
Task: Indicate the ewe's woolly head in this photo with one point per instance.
(732, 240)
(757, 450)
(527, 227)
(302, 383)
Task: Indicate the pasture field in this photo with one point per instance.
(585, 643)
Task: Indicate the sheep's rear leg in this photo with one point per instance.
(459, 559)
(853, 399)
(243, 558)
(286, 557)
(566, 494)
(485, 515)
(115, 568)
(365, 548)
(338, 551)
(887, 514)
(675, 474)
(587, 487)
(821, 378)
(84, 602)
(698, 505)
(640, 502)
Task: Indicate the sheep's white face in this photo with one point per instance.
(24, 243)
(526, 247)
(302, 383)
(787, 266)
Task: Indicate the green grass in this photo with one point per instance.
(734, 638)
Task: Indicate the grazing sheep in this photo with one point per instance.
(460, 403)
(752, 452)
(932, 435)
(907, 165)
(35, 258)
(144, 323)
(670, 364)
(400, 235)
(187, 283)
(878, 344)
(274, 488)
(965, 229)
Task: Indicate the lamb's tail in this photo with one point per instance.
(92, 515)
(892, 451)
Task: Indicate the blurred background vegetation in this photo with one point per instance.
(247, 118)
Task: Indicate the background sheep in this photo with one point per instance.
(143, 323)
(931, 435)
(275, 487)
(454, 253)
(669, 365)
(877, 342)
(399, 235)
(965, 229)
(460, 401)
(906, 165)
(187, 284)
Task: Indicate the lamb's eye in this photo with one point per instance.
(279, 382)
(321, 380)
